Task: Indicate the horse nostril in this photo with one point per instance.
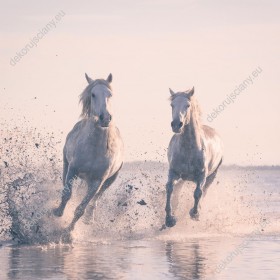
(176, 124)
(101, 117)
(110, 117)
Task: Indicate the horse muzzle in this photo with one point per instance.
(104, 120)
(176, 126)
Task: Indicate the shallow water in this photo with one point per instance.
(237, 236)
(145, 259)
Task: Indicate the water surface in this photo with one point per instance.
(145, 259)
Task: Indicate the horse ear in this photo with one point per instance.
(191, 92)
(171, 91)
(90, 80)
(110, 78)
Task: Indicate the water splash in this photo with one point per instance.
(132, 208)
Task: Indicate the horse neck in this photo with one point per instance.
(191, 135)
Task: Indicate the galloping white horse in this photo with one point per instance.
(194, 153)
(94, 149)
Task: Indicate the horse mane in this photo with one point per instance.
(85, 96)
(196, 110)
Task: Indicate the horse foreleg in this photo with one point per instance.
(66, 192)
(80, 210)
(89, 210)
(197, 195)
(170, 220)
(93, 203)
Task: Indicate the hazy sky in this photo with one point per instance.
(148, 46)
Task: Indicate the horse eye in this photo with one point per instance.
(93, 95)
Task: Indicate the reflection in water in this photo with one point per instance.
(118, 260)
(185, 262)
(190, 259)
(35, 263)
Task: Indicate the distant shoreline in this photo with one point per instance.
(157, 164)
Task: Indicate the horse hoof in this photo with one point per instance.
(170, 221)
(66, 236)
(194, 215)
(57, 212)
(87, 220)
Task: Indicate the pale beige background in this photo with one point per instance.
(148, 46)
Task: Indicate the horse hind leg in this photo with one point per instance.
(65, 168)
(93, 203)
(210, 179)
(67, 190)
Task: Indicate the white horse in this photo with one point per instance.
(94, 149)
(194, 152)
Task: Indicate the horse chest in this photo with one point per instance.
(93, 151)
(89, 152)
(88, 148)
(187, 164)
